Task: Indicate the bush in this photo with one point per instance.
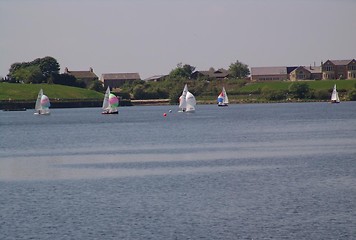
(273, 95)
(97, 86)
(123, 95)
(352, 95)
(321, 94)
(299, 90)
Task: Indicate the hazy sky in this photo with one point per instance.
(152, 36)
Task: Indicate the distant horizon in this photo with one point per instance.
(152, 37)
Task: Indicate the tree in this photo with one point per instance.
(352, 95)
(48, 65)
(175, 94)
(97, 86)
(182, 71)
(139, 92)
(239, 70)
(299, 90)
(63, 79)
(37, 71)
(28, 74)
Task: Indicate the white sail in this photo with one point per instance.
(182, 99)
(38, 106)
(42, 104)
(223, 99)
(110, 103)
(187, 101)
(190, 102)
(226, 99)
(335, 95)
(106, 99)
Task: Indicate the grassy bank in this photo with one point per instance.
(342, 85)
(28, 92)
(238, 91)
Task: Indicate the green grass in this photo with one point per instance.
(15, 91)
(322, 84)
(235, 90)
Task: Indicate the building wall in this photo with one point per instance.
(332, 71)
(115, 83)
(278, 77)
(341, 72)
(328, 70)
(316, 76)
(300, 74)
(351, 70)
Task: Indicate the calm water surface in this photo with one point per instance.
(254, 171)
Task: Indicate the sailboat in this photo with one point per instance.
(335, 96)
(110, 103)
(42, 104)
(223, 100)
(187, 101)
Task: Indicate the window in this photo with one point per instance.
(352, 67)
(328, 68)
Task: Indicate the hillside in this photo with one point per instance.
(342, 85)
(28, 92)
(205, 91)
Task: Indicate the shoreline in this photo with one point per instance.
(22, 105)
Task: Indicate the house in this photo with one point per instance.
(115, 80)
(305, 73)
(211, 74)
(339, 69)
(86, 76)
(156, 78)
(271, 73)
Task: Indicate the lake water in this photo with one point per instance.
(254, 171)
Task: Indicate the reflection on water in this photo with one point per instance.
(162, 160)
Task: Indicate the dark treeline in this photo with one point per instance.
(44, 70)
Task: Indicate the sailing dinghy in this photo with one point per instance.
(42, 104)
(110, 103)
(335, 96)
(223, 100)
(187, 101)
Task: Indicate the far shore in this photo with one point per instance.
(12, 105)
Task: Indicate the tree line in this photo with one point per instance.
(171, 86)
(44, 70)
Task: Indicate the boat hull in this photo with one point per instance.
(116, 112)
(45, 114)
(222, 105)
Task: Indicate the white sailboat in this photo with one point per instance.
(187, 101)
(42, 104)
(110, 103)
(335, 96)
(223, 100)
